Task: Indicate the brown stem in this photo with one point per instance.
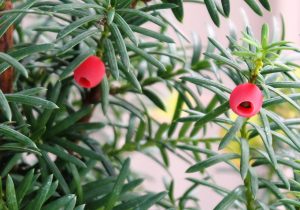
(92, 97)
(6, 78)
(6, 42)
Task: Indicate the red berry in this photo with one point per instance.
(246, 100)
(90, 73)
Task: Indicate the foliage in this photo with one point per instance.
(48, 115)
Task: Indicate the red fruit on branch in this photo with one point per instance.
(90, 73)
(246, 100)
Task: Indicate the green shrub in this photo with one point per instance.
(56, 156)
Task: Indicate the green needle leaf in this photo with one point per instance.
(229, 199)
(121, 47)
(226, 7)
(5, 106)
(265, 36)
(143, 15)
(105, 94)
(152, 34)
(213, 12)
(11, 198)
(24, 185)
(114, 195)
(81, 37)
(245, 154)
(179, 10)
(254, 6)
(211, 161)
(230, 135)
(110, 15)
(10, 20)
(111, 58)
(30, 100)
(147, 57)
(125, 28)
(14, 63)
(265, 4)
(76, 24)
(59, 203)
(16, 136)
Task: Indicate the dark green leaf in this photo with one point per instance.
(10, 20)
(130, 129)
(59, 203)
(62, 182)
(211, 161)
(72, 6)
(14, 63)
(265, 4)
(121, 47)
(213, 12)
(11, 199)
(266, 143)
(16, 136)
(254, 6)
(23, 52)
(147, 57)
(75, 41)
(197, 47)
(68, 121)
(114, 195)
(265, 35)
(141, 202)
(38, 201)
(105, 94)
(63, 155)
(229, 199)
(76, 24)
(110, 15)
(132, 79)
(290, 202)
(245, 157)
(201, 80)
(285, 97)
(176, 115)
(284, 128)
(30, 100)
(226, 7)
(11, 164)
(5, 106)
(75, 63)
(143, 15)
(212, 114)
(179, 10)
(152, 34)
(155, 99)
(140, 132)
(24, 186)
(111, 58)
(83, 152)
(230, 135)
(125, 28)
(225, 60)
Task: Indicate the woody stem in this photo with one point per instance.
(6, 42)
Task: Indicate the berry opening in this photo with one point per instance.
(245, 107)
(84, 82)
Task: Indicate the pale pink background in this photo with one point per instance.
(197, 20)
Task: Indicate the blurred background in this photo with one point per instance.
(197, 20)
